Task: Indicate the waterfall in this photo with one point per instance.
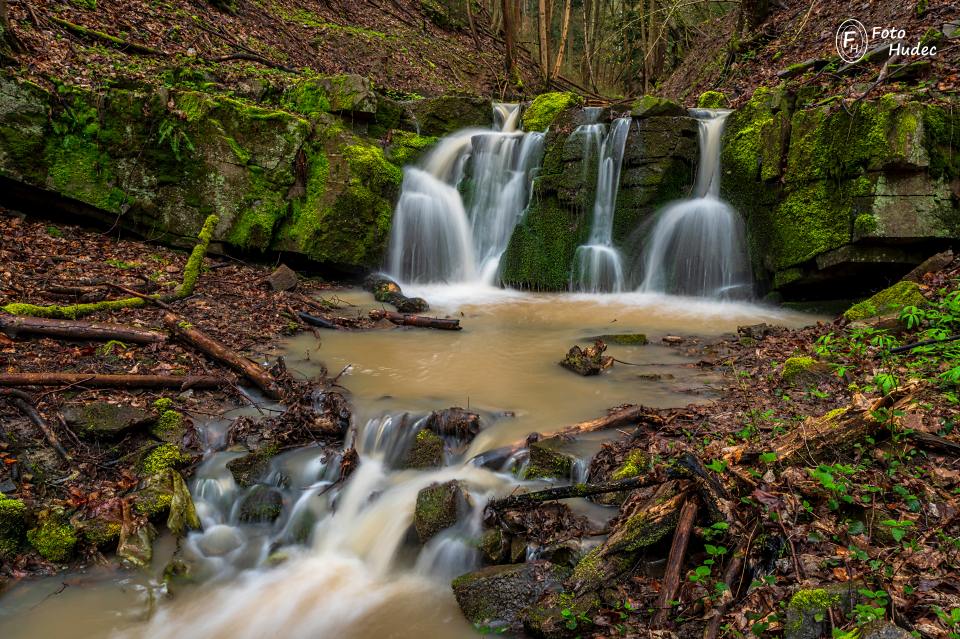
(697, 246)
(597, 264)
(436, 237)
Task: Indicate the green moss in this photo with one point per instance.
(806, 604)
(634, 465)
(626, 339)
(12, 525)
(73, 311)
(101, 533)
(426, 452)
(889, 300)
(54, 539)
(163, 457)
(811, 219)
(712, 100)
(942, 140)
(191, 270)
(163, 404)
(796, 367)
(546, 107)
(436, 509)
(546, 460)
(407, 147)
(865, 224)
(307, 97)
(371, 168)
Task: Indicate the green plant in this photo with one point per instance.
(572, 620)
(951, 620)
(898, 529)
(873, 609)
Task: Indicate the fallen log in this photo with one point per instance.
(206, 344)
(77, 329)
(313, 320)
(386, 291)
(25, 405)
(678, 552)
(91, 380)
(616, 419)
(406, 319)
(566, 492)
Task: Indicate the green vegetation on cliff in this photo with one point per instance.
(546, 107)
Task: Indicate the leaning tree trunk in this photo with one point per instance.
(754, 12)
(544, 30)
(508, 37)
(564, 30)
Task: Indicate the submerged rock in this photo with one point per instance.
(136, 546)
(426, 451)
(438, 506)
(587, 361)
(103, 420)
(498, 595)
(624, 339)
(386, 291)
(262, 504)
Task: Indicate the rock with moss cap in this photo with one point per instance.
(103, 420)
(250, 468)
(497, 596)
(165, 497)
(803, 370)
(808, 611)
(889, 300)
(425, 452)
(13, 514)
(651, 106)
(712, 100)
(438, 506)
(546, 107)
(162, 457)
(445, 114)
(548, 459)
(54, 537)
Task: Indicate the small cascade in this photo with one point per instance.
(598, 267)
(697, 246)
(436, 237)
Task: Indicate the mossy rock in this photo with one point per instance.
(497, 596)
(263, 504)
(54, 538)
(547, 460)
(164, 496)
(624, 339)
(803, 370)
(651, 106)
(438, 506)
(445, 114)
(808, 611)
(494, 546)
(169, 427)
(712, 100)
(162, 458)
(103, 420)
(13, 513)
(425, 452)
(889, 300)
(252, 467)
(348, 93)
(546, 107)
(407, 147)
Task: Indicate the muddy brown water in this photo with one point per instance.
(504, 364)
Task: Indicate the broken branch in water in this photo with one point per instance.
(178, 382)
(77, 329)
(406, 319)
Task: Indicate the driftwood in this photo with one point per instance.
(25, 404)
(387, 291)
(675, 560)
(405, 319)
(587, 361)
(179, 382)
(77, 329)
(616, 419)
(313, 320)
(206, 344)
(565, 492)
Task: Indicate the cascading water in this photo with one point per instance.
(435, 236)
(697, 246)
(598, 267)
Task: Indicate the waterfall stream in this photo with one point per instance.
(697, 246)
(598, 267)
(457, 210)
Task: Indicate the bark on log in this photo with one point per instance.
(25, 404)
(675, 560)
(313, 320)
(622, 417)
(404, 319)
(206, 344)
(566, 492)
(78, 330)
(179, 382)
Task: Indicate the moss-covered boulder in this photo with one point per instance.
(549, 460)
(712, 100)
(164, 497)
(250, 468)
(13, 525)
(808, 613)
(438, 506)
(54, 537)
(103, 420)
(445, 114)
(347, 93)
(889, 300)
(425, 452)
(263, 504)
(650, 106)
(544, 109)
(494, 546)
(455, 422)
(497, 596)
(802, 369)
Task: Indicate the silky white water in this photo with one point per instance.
(598, 266)
(697, 246)
(435, 236)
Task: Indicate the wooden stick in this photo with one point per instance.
(406, 319)
(729, 578)
(149, 298)
(24, 403)
(577, 490)
(91, 380)
(77, 329)
(678, 552)
(313, 320)
(206, 344)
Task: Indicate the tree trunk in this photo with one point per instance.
(92, 380)
(678, 552)
(754, 12)
(544, 39)
(77, 329)
(405, 319)
(564, 31)
(508, 38)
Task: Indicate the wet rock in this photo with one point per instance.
(13, 514)
(183, 512)
(547, 459)
(283, 278)
(250, 468)
(448, 113)
(808, 611)
(262, 504)
(498, 595)
(102, 420)
(165, 497)
(170, 426)
(587, 361)
(54, 538)
(438, 506)
(494, 546)
(136, 546)
(102, 528)
(426, 451)
(454, 422)
(932, 264)
(219, 540)
(882, 629)
(651, 106)
(177, 574)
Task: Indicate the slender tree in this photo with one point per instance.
(564, 31)
(544, 28)
(508, 37)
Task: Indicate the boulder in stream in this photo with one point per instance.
(426, 451)
(386, 291)
(496, 596)
(587, 361)
(247, 470)
(262, 504)
(547, 459)
(454, 422)
(438, 506)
